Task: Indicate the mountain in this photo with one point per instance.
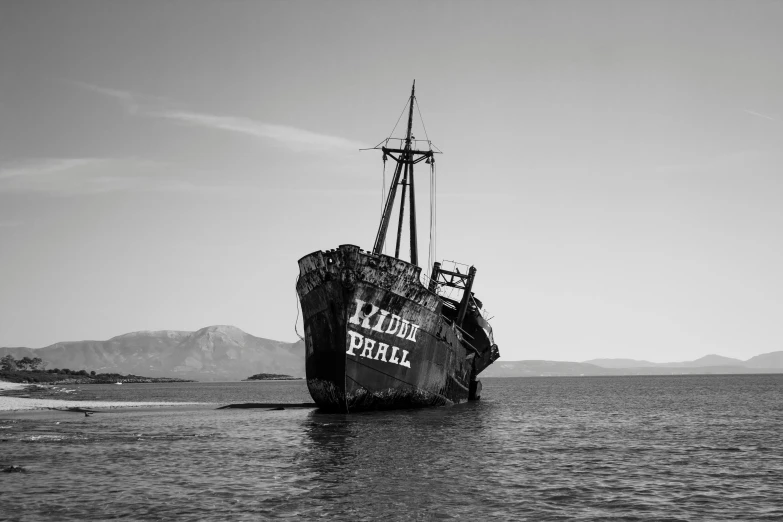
(214, 353)
(620, 363)
(709, 364)
(534, 368)
(557, 368)
(766, 360)
(714, 360)
(707, 360)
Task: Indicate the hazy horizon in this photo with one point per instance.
(268, 338)
(612, 169)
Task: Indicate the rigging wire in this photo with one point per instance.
(422, 121)
(456, 263)
(383, 196)
(429, 251)
(296, 322)
(434, 212)
(383, 185)
(395, 125)
(432, 253)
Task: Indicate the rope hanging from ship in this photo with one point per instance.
(433, 217)
(296, 321)
(383, 192)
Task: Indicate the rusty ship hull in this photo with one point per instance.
(376, 338)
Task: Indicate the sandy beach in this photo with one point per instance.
(19, 404)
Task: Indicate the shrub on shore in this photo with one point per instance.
(32, 370)
(76, 377)
(271, 377)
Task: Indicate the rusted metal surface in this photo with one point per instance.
(427, 153)
(463, 306)
(402, 212)
(380, 238)
(376, 338)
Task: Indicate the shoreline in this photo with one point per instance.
(17, 404)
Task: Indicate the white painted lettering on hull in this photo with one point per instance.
(379, 325)
(404, 361)
(398, 326)
(358, 313)
(393, 357)
(357, 340)
(380, 355)
(412, 335)
(394, 324)
(403, 328)
(367, 345)
(373, 311)
(373, 318)
(362, 316)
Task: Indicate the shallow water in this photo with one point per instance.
(207, 392)
(629, 448)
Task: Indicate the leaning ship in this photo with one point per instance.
(378, 335)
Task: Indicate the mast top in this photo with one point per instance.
(406, 156)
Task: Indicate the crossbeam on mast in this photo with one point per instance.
(404, 164)
(425, 152)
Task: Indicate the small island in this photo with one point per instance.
(272, 377)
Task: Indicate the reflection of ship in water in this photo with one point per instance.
(330, 445)
(379, 463)
(377, 337)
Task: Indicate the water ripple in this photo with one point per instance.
(636, 448)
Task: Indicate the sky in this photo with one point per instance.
(613, 169)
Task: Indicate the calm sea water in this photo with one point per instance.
(625, 448)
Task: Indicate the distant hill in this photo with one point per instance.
(620, 363)
(715, 360)
(709, 364)
(707, 360)
(212, 353)
(557, 368)
(542, 369)
(766, 360)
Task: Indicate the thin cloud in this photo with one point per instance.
(293, 138)
(92, 176)
(123, 96)
(298, 140)
(56, 176)
(133, 103)
(43, 167)
(754, 113)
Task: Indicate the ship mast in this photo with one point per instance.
(404, 170)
